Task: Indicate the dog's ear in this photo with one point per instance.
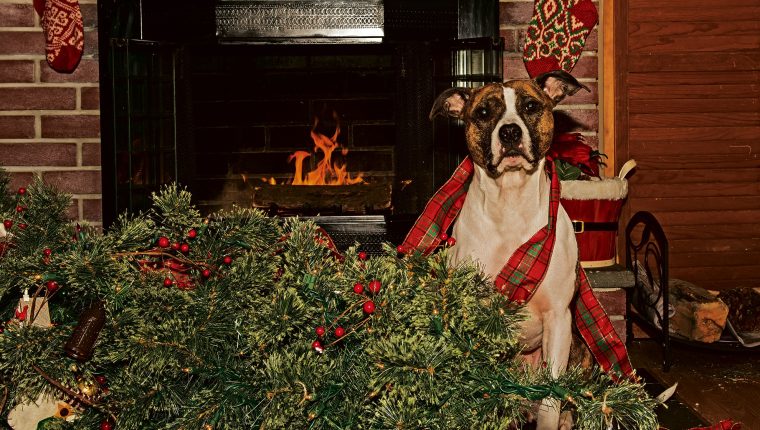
(451, 102)
(559, 84)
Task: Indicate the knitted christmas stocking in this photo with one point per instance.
(64, 36)
(556, 34)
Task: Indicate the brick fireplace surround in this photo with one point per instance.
(49, 122)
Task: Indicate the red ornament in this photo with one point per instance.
(184, 248)
(168, 282)
(374, 286)
(21, 191)
(52, 286)
(106, 425)
(443, 236)
(362, 256)
(206, 273)
(20, 208)
(320, 331)
(163, 242)
(400, 249)
(317, 346)
(22, 226)
(451, 241)
(340, 332)
(101, 380)
(227, 260)
(46, 252)
(192, 234)
(358, 288)
(8, 223)
(175, 246)
(369, 307)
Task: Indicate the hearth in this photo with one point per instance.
(334, 91)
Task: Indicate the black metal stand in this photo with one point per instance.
(646, 247)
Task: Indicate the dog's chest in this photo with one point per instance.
(489, 237)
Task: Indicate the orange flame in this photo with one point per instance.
(326, 172)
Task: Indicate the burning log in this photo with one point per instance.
(356, 199)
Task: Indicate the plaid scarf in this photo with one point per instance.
(522, 274)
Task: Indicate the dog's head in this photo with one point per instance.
(508, 126)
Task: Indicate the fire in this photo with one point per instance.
(327, 171)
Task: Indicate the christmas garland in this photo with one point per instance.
(239, 320)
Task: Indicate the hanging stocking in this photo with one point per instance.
(64, 34)
(557, 34)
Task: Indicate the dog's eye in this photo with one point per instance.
(482, 112)
(532, 106)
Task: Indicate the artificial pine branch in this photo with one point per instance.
(221, 336)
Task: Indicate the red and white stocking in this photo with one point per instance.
(64, 33)
(556, 34)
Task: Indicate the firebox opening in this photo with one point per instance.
(290, 115)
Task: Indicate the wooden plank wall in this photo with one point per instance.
(688, 111)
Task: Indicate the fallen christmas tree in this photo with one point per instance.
(238, 321)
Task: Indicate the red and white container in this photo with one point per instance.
(594, 206)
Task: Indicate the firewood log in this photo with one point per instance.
(699, 315)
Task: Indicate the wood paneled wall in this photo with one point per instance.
(688, 111)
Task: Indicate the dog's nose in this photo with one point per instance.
(510, 133)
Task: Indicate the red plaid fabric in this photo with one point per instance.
(597, 331)
(439, 212)
(526, 268)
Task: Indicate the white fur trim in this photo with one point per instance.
(605, 189)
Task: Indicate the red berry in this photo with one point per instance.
(362, 256)
(106, 425)
(175, 246)
(22, 226)
(168, 282)
(358, 288)
(163, 242)
(369, 307)
(374, 286)
(451, 241)
(184, 248)
(46, 252)
(317, 345)
(22, 191)
(340, 332)
(400, 249)
(101, 380)
(443, 236)
(192, 233)
(320, 331)
(206, 273)
(52, 286)
(227, 260)
(20, 208)
(8, 223)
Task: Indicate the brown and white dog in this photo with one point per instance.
(509, 128)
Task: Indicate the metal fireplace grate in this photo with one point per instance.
(300, 21)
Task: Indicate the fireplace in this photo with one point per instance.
(232, 97)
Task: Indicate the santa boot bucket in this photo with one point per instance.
(594, 207)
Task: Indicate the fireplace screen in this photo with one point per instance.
(339, 127)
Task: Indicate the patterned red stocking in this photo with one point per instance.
(556, 34)
(64, 36)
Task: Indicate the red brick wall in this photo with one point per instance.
(578, 113)
(49, 122)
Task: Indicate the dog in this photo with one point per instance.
(508, 129)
